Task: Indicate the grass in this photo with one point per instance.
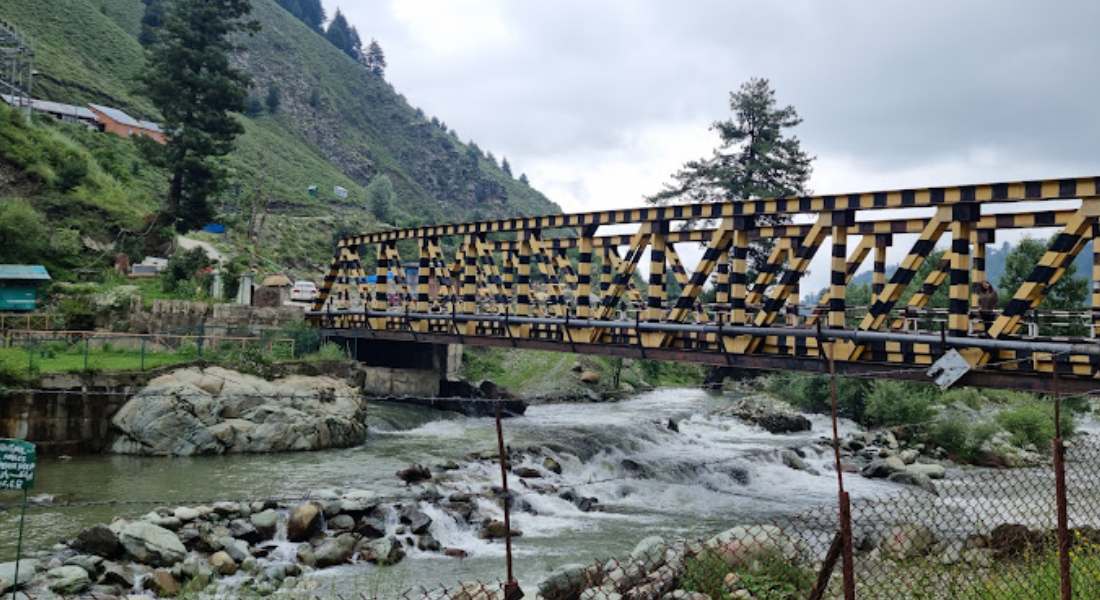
(768, 577)
(17, 360)
(1040, 578)
(536, 373)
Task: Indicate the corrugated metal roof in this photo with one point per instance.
(116, 114)
(24, 272)
(58, 108)
(151, 126)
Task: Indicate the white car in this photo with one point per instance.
(303, 291)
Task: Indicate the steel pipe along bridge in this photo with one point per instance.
(572, 283)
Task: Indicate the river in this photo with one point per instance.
(714, 473)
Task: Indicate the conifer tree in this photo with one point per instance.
(151, 20)
(343, 36)
(504, 166)
(381, 198)
(274, 99)
(757, 158)
(376, 59)
(197, 37)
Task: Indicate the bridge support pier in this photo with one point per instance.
(399, 368)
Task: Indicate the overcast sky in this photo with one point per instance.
(598, 101)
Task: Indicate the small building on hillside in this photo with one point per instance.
(274, 291)
(113, 120)
(62, 112)
(19, 286)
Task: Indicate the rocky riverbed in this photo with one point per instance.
(587, 482)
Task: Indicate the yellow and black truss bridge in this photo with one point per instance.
(574, 283)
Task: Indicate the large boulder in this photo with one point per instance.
(334, 551)
(745, 543)
(222, 563)
(265, 522)
(931, 471)
(770, 414)
(67, 580)
(565, 583)
(385, 551)
(216, 411)
(883, 467)
(99, 540)
(27, 567)
(150, 544)
(306, 521)
(906, 541)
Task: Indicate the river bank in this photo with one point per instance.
(600, 448)
(682, 464)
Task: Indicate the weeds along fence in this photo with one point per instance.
(32, 352)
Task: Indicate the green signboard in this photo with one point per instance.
(17, 462)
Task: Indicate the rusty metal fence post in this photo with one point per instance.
(843, 503)
(1059, 452)
(511, 586)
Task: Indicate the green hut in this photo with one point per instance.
(19, 286)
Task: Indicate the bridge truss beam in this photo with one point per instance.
(509, 276)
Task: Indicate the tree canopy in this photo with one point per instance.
(309, 12)
(381, 198)
(344, 36)
(1069, 293)
(189, 78)
(375, 59)
(757, 157)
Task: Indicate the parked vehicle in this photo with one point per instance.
(303, 291)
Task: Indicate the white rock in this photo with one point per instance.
(150, 544)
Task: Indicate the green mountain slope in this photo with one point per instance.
(337, 125)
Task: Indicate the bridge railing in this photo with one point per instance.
(557, 282)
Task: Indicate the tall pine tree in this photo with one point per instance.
(344, 36)
(189, 79)
(757, 158)
(376, 59)
(313, 14)
(151, 20)
(309, 12)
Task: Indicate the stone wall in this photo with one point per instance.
(183, 316)
(69, 413)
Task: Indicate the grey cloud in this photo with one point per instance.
(890, 84)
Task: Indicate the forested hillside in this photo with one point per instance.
(318, 118)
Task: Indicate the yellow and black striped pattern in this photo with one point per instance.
(560, 266)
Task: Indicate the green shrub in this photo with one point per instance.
(891, 403)
(768, 577)
(77, 313)
(706, 573)
(186, 272)
(967, 396)
(811, 393)
(326, 353)
(1032, 422)
(307, 339)
(961, 439)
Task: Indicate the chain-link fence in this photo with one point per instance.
(961, 532)
(976, 534)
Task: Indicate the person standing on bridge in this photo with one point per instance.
(987, 303)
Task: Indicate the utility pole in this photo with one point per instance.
(16, 67)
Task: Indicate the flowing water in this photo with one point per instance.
(714, 473)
